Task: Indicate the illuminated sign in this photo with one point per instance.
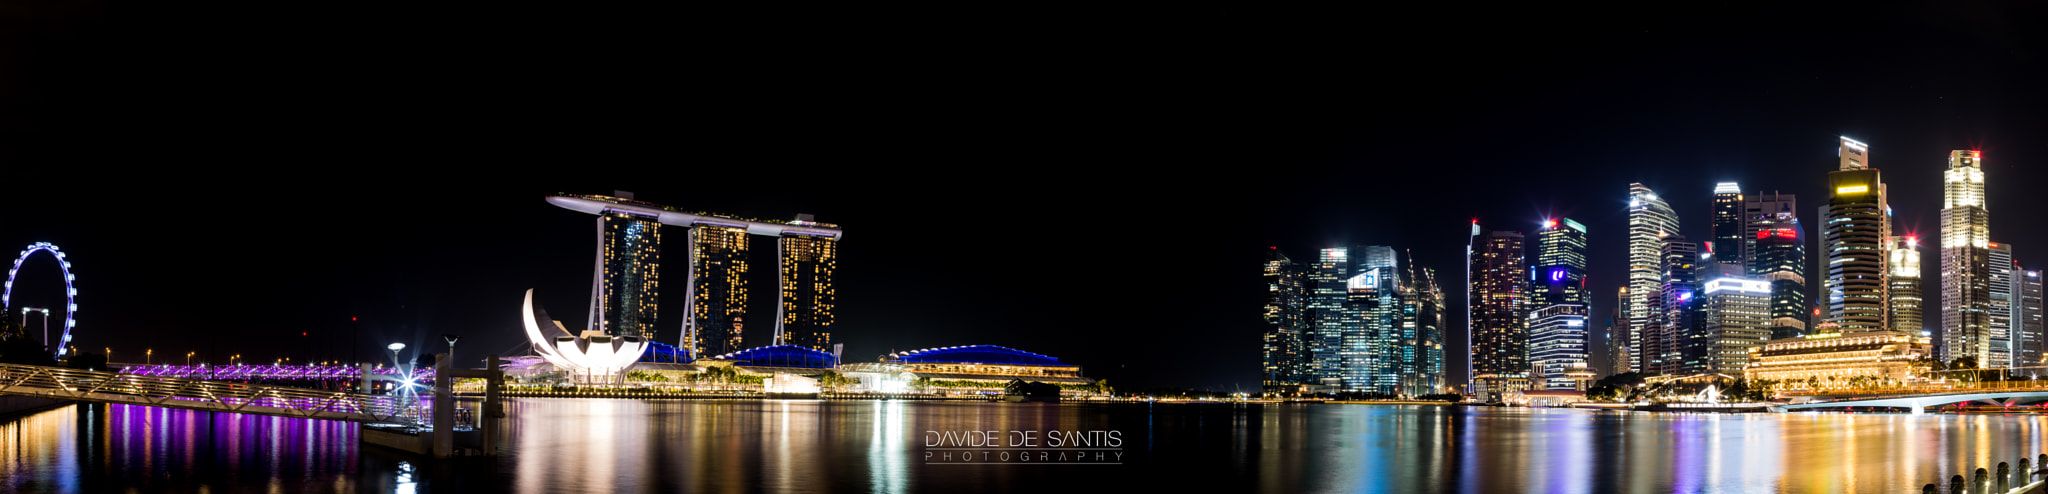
(1368, 281)
(1852, 190)
(1857, 146)
(1739, 284)
(1557, 274)
(1574, 322)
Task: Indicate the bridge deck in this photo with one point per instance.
(194, 394)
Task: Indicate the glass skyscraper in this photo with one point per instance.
(1906, 301)
(1779, 258)
(1681, 343)
(1729, 236)
(1284, 354)
(1856, 235)
(1499, 323)
(1650, 218)
(2033, 343)
(1559, 314)
(1965, 262)
(2002, 342)
(1327, 295)
(629, 267)
(1419, 358)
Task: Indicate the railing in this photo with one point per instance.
(287, 372)
(1949, 387)
(171, 392)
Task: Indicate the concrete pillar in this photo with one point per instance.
(494, 411)
(1917, 407)
(365, 378)
(444, 409)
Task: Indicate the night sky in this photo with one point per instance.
(1099, 188)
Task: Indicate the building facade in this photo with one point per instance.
(1327, 294)
(629, 263)
(1840, 361)
(1855, 237)
(1729, 236)
(1965, 261)
(1737, 317)
(1419, 356)
(2033, 342)
(718, 290)
(807, 294)
(1779, 257)
(1559, 312)
(1906, 300)
(1650, 218)
(1283, 354)
(1498, 322)
(2003, 344)
(1768, 211)
(1681, 343)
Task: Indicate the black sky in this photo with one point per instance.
(1096, 186)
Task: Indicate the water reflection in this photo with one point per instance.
(812, 446)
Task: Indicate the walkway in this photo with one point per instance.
(196, 394)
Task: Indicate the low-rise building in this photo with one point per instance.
(1839, 361)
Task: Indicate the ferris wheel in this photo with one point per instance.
(70, 292)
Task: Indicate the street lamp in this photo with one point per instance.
(188, 358)
(395, 347)
(147, 356)
(451, 348)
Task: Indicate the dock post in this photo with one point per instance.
(2004, 475)
(494, 411)
(444, 408)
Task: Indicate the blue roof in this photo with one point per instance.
(974, 354)
(782, 356)
(657, 352)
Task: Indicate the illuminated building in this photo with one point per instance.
(1779, 257)
(1855, 235)
(1558, 308)
(1965, 261)
(2032, 337)
(1680, 343)
(1419, 355)
(2002, 342)
(1284, 355)
(630, 260)
(717, 290)
(1769, 211)
(1650, 218)
(593, 357)
(1617, 334)
(1498, 324)
(1371, 311)
(1822, 361)
(1729, 235)
(989, 366)
(807, 294)
(626, 282)
(1327, 294)
(1737, 317)
(1906, 298)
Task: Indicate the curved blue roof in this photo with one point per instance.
(662, 353)
(782, 356)
(974, 354)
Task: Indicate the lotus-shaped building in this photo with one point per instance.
(594, 357)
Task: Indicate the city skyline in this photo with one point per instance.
(1584, 115)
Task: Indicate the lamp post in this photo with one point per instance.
(188, 358)
(148, 355)
(451, 348)
(395, 347)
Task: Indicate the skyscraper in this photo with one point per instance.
(1768, 211)
(1373, 313)
(1617, 335)
(630, 273)
(1558, 312)
(2002, 342)
(1730, 235)
(1906, 298)
(1499, 325)
(1855, 234)
(1779, 258)
(1650, 218)
(1737, 318)
(1327, 294)
(1284, 354)
(807, 295)
(1680, 342)
(718, 289)
(2027, 317)
(1419, 357)
(1965, 261)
